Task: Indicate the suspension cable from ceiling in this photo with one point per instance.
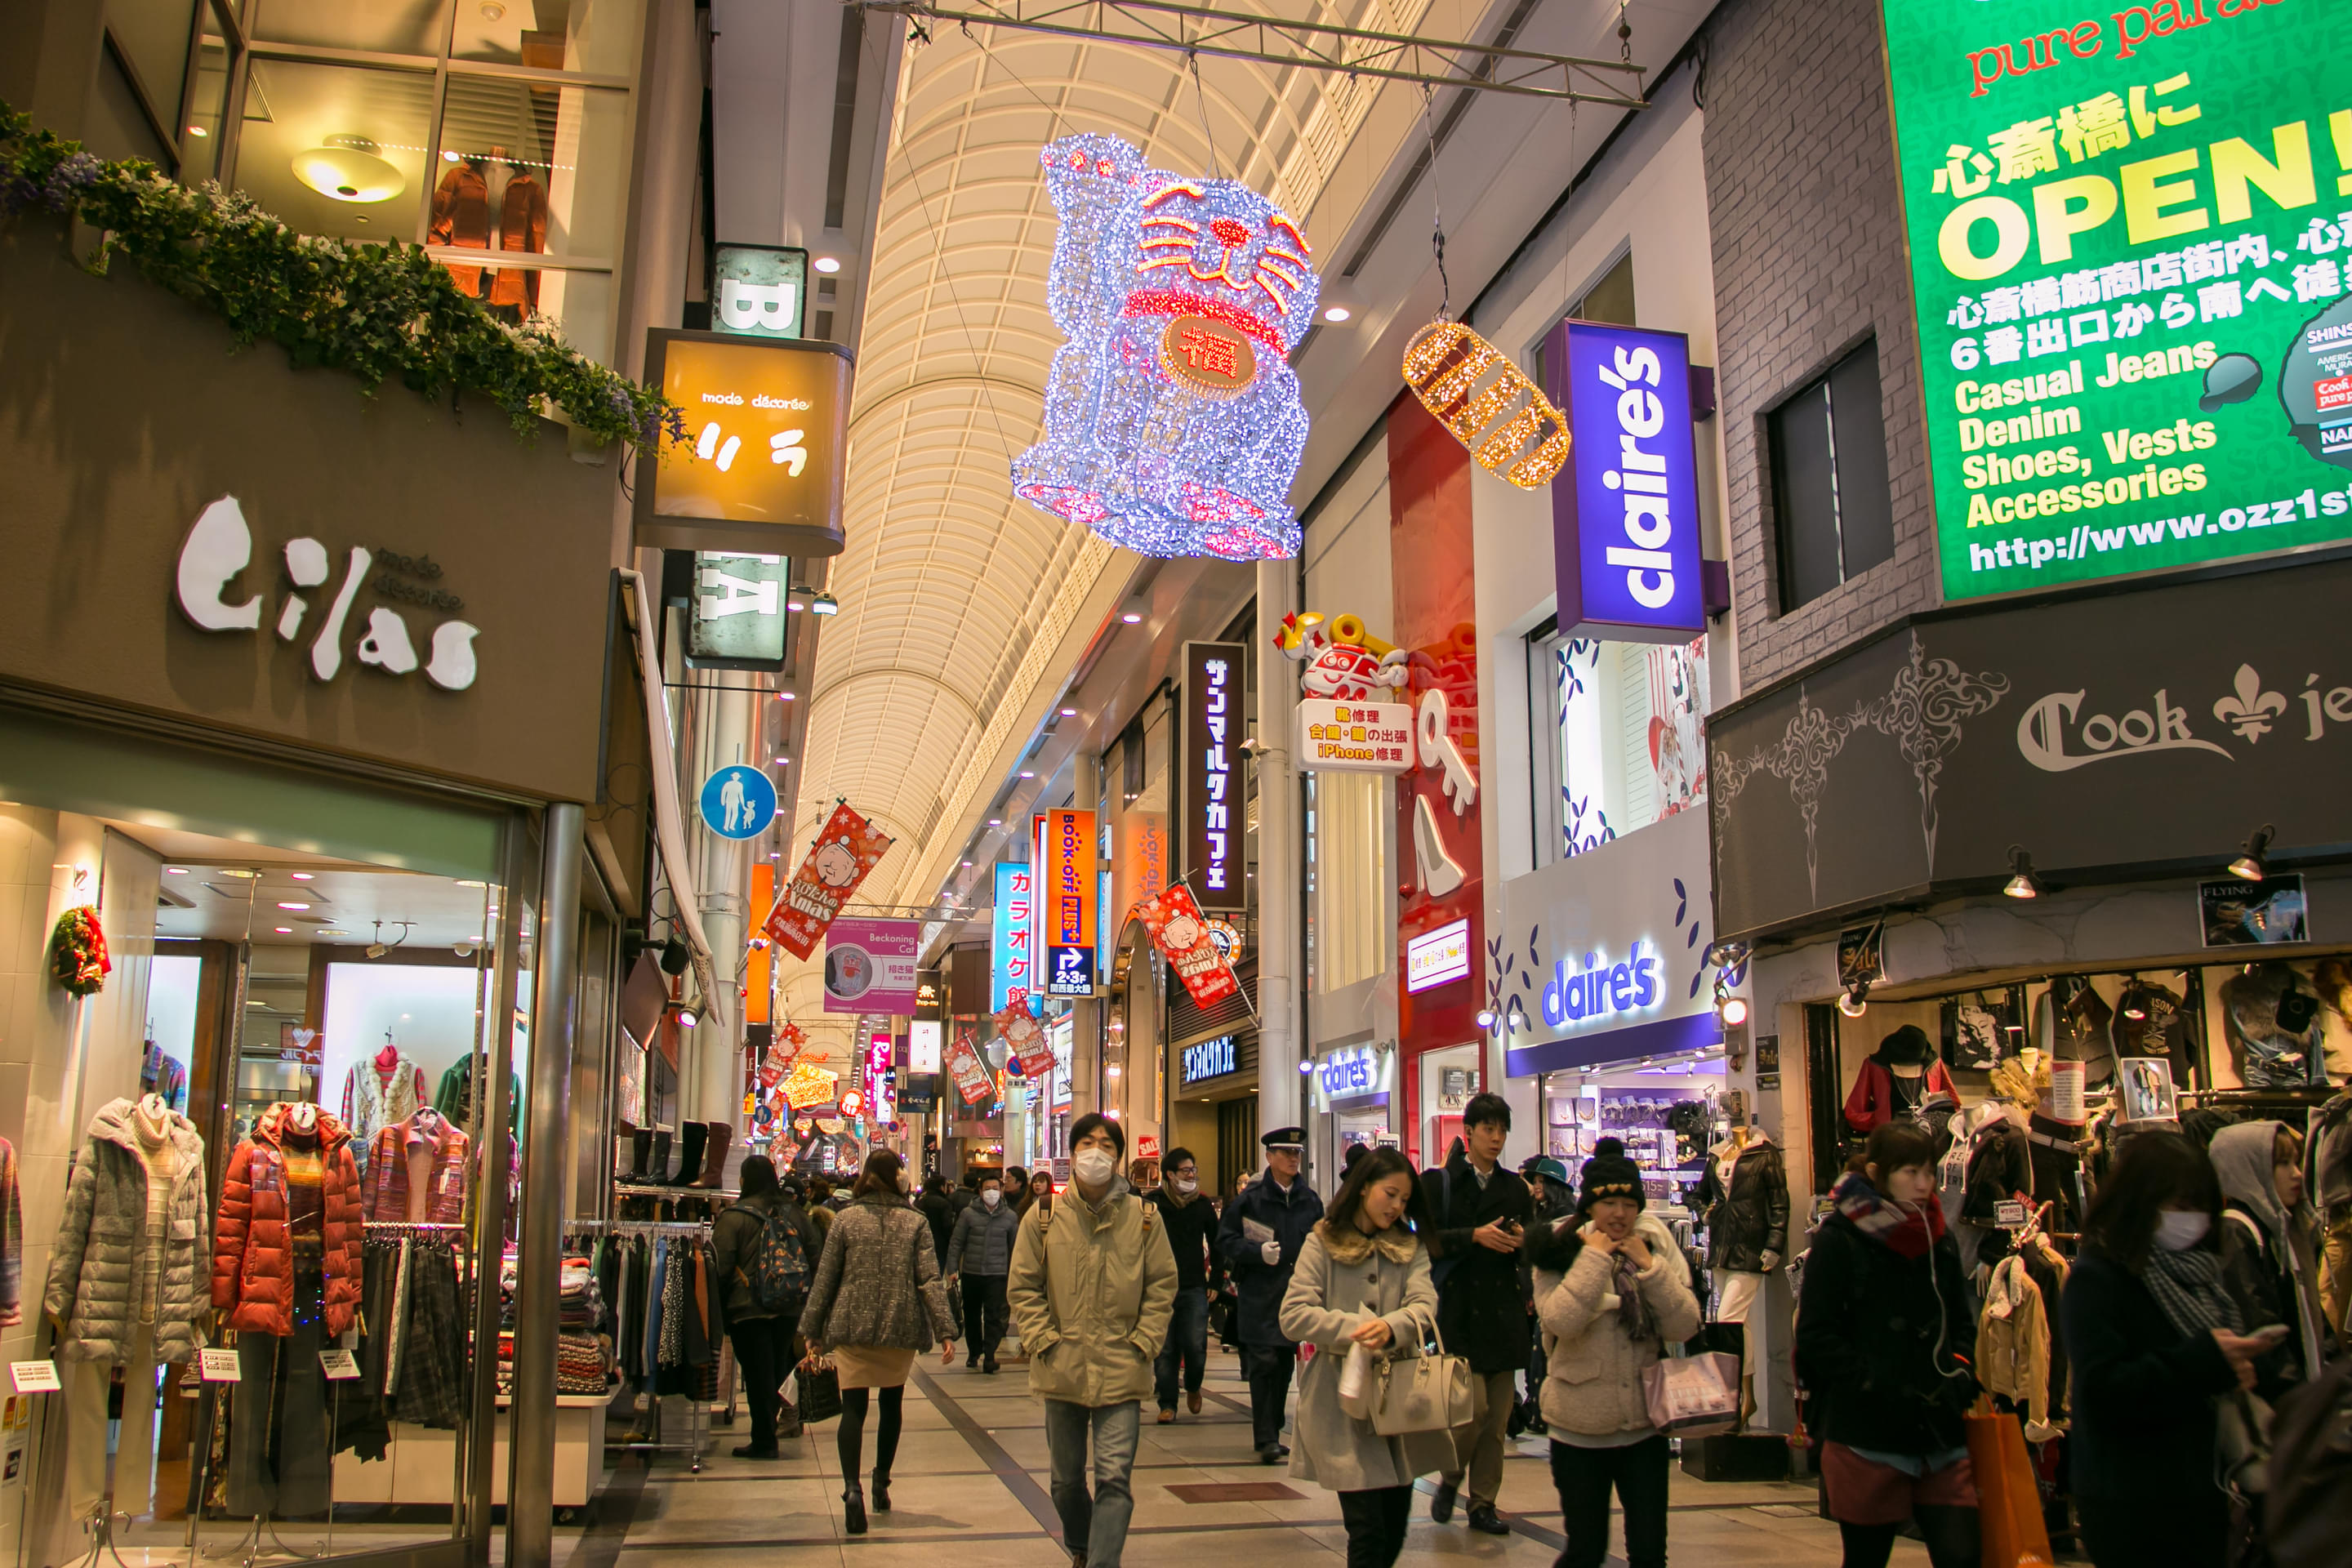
(1303, 46)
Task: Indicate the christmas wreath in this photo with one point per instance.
(77, 952)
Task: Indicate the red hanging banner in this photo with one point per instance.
(1026, 1037)
(1179, 930)
(848, 847)
(970, 1070)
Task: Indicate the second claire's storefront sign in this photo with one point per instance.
(1603, 957)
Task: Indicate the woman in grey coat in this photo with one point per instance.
(875, 1302)
(1364, 1279)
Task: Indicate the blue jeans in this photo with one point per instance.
(1093, 1523)
(1188, 1343)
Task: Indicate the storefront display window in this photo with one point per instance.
(1448, 1078)
(406, 28)
(1629, 722)
(203, 146)
(1662, 1115)
(1352, 927)
(341, 151)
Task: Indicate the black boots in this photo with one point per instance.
(852, 1511)
(693, 1135)
(641, 1152)
(881, 1491)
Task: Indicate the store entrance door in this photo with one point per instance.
(1238, 1151)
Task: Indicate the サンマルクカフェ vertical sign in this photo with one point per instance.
(2128, 245)
(767, 427)
(1214, 804)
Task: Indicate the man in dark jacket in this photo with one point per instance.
(764, 1338)
(1191, 1223)
(1482, 1212)
(1259, 1239)
(979, 1249)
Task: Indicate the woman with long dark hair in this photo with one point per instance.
(1362, 1278)
(1039, 1191)
(1886, 1337)
(762, 1332)
(875, 1302)
(2154, 1339)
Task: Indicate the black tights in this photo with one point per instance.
(1951, 1535)
(850, 1442)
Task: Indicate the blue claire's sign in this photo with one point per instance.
(1625, 515)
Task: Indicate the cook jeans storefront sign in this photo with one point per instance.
(2131, 735)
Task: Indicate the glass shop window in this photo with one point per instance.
(1626, 725)
(336, 150)
(595, 37)
(1351, 924)
(376, 27)
(1833, 514)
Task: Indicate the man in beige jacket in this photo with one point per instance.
(1092, 1286)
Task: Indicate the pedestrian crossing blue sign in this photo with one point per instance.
(737, 801)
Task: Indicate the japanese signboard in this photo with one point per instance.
(1026, 1037)
(1214, 811)
(869, 966)
(1625, 521)
(1179, 929)
(1011, 965)
(1355, 737)
(846, 849)
(767, 430)
(1066, 842)
(970, 1070)
(2128, 233)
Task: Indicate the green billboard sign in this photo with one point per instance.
(2131, 240)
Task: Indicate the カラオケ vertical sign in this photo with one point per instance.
(2130, 228)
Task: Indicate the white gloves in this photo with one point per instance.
(1272, 1252)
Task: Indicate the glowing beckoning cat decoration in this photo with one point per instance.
(1172, 419)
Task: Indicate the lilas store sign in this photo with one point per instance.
(317, 610)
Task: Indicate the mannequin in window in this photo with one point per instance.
(417, 1171)
(378, 1091)
(1746, 1198)
(523, 226)
(461, 217)
(1897, 1080)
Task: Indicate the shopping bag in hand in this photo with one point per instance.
(1692, 1397)
(820, 1391)
(2008, 1503)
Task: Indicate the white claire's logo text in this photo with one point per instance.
(220, 547)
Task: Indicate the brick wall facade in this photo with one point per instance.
(1809, 261)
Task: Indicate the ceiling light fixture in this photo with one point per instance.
(198, 131)
(1857, 1000)
(784, 761)
(286, 905)
(827, 263)
(1134, 609)
(2253, 863)
(284, 931)
(1337, 314)
(1069, 713)
(241, 875)
(787, 697)
(2023, 883)
(347, 170)
(302, 876)
(175, 870)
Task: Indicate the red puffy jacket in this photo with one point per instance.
(253, 1262)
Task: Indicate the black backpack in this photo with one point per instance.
(2307, 1516)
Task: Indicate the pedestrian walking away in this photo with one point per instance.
(940, 1210)
(980, 1251)
(1191, 1222)
(1620, 1296)
(1479, 1214)
(1362, 1282)
(877, 1301)
(2154, 1342)
(1091, 1288)
(1885, 1339)
(1259, 1238)
(759, 1246)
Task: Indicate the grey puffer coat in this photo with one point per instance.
(981, 1243)
(877, 1285)
(102, 1245)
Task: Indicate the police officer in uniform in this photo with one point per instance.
(1259, 1239)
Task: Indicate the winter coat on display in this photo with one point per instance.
(877, 1282)
(454, 1097)
(1091, 1291)
(461, 217)
(102, 1246)
(1749, 1215)
(1877, 1331)
(1341, 1282)
(981, 1242)
(1479, 1309)
(2143, 1391)
(1879, 1095)
(1191, 1235)
(2013, 1344)
(252, 1255)
(372, 1102)
(523, 226)
(1258, 1285)
(1593, 1385)
(402, 1152)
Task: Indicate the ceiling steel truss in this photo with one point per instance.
(1306, 46)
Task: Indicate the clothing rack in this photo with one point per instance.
(586, 1228)
(696, 1435)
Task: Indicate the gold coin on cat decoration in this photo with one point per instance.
(1487, 403)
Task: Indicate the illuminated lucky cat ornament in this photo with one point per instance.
(1172, 420)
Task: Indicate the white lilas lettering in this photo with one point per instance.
(220, 547)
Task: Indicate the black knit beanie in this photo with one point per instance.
(1610, 1175)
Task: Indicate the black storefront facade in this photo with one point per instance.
(2110, 753)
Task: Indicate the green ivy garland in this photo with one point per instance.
(382, 312)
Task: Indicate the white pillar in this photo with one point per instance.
(723, 730)
(1279, 1100)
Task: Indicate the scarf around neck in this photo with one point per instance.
(1906, 1232)
(2187, 1287)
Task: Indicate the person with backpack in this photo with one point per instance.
(979, 1252)
(1886, 1338)
(1479, 1216)
(761, 1248)
(1092, 1286)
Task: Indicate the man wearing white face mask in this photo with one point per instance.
(1092, 1284)
(1191, 1224)
(981, 1252)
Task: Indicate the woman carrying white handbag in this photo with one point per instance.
(1361, 1292)
(1625, 1297)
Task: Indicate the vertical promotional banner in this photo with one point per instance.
(869, 966)
(1625, 523)
(2127, 233)
(970, 1070)
(1009, 966)
(1179, 930)
(1066, 879)
(846, 849)
(1214, 811)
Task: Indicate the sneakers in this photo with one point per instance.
(1483, 1520)
(1441, 1507)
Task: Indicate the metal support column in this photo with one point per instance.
(531, 1483)
(1278, 868)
